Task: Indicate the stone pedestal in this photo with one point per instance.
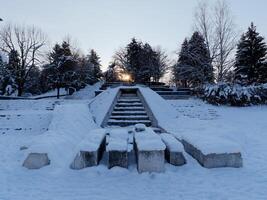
(117, 158)
(150, 161)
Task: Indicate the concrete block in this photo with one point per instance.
(214, 160)
(89, 158)
(117, 158)
(174, 158)
(150, 161)
(36, 161)
(174, 150)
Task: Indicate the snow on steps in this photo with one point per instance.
(70, 124)
(30, 121)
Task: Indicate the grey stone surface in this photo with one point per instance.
(88, 158)
(175, 158)
(85, 159)
(214, 160)
(150, 161)
(117, 158)
(36, 161)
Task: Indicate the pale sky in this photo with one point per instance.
(106, 25)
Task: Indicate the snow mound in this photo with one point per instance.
(70, 124)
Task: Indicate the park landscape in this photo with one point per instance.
(144, 123)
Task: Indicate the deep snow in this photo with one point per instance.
(243, 126)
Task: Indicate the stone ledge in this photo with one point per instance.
(214, 160)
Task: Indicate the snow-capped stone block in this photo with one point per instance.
(149, 151)
(117, 148)
(36, 161)
(213, 152)
(139, 127)
(174, 150)
(90, 150)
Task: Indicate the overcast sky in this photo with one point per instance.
(106, 25)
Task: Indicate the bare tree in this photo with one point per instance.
(226, 36)
(28, 41)
(217, 26)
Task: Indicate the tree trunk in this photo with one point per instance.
(58, 90)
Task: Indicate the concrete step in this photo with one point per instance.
(169, 97)
(129, 105)
(173, 92)
(129, 108)
(129, 100)
(131, 117)
(122, 123)
(157, 130)
(128, 113)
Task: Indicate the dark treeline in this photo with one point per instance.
(213, 54)
(29, 70)
(142, 62)
(194, 66)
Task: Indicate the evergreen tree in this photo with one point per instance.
(134, 63)
(250, 56)
(7, 81)
(94, 61)
(62, 70)
(182, 69)
(143, 62)
(194, 63)
(200, 60)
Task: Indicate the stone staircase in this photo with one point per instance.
(129, 110)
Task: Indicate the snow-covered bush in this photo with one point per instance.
(234, 94)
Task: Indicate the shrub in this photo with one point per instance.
(234, 94)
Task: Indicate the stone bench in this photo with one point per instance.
(117, 148)
(149, 151)
(90, 150)
(212, 152)
(174, 150)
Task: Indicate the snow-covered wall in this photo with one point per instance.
(101, 104)
(162, 110)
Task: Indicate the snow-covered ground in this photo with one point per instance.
(246, 127)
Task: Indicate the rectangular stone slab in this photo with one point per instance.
(174, 150)
(117, 148)
(150, 161)
(117, 158)
(150, 151)
(213, 160)
(89, 158)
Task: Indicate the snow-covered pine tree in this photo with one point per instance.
(182, 70)
(250, 56)
(94, 61)
(62, 70)
(134, 63)
(200, 60)
(194, 67)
